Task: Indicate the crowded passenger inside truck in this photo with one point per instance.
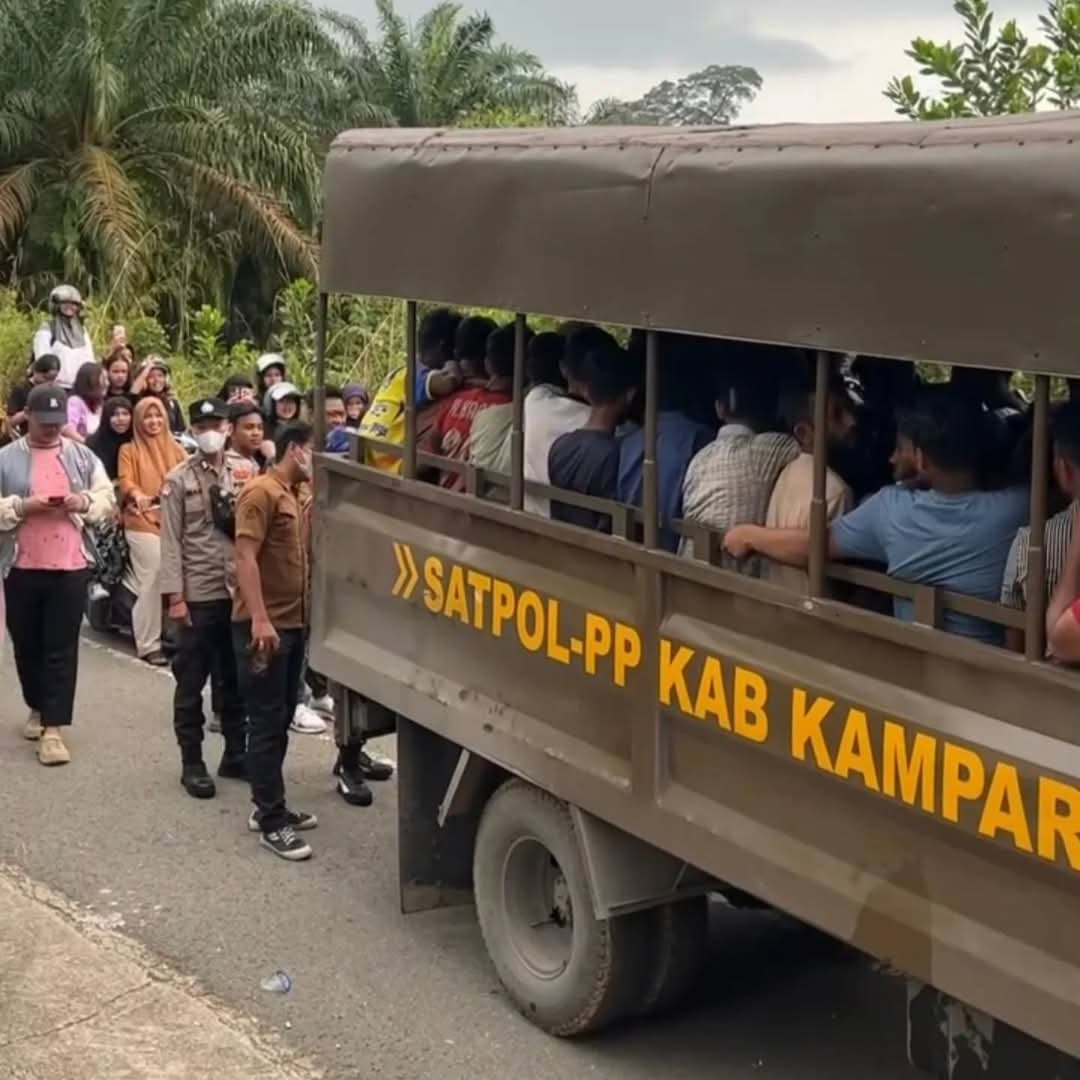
(928, 472)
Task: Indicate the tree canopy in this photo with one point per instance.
(131, 130)
(995, 71)
(712, 97)
(163, 150)
(446, 69)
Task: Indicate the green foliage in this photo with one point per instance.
(447, 68)
(17, 326)
(142, 145)
(165, 156)
(993, 73)
(712, 97)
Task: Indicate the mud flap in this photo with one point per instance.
(434, 863)
(952, 1041)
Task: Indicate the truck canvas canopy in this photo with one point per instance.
(947, 242)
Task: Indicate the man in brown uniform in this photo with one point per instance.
(269, 616)
(196, 558)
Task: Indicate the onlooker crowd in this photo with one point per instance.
(110, 494)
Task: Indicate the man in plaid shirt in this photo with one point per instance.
(731, 480)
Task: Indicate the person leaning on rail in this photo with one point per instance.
(1065, 467)
(951, 535)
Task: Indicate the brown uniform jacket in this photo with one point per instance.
(196, 556)
(271, 514)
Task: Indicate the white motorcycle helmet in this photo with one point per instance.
(65, 294)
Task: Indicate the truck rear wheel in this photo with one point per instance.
(567, 971)
(680, 937)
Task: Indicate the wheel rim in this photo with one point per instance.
(539, 911)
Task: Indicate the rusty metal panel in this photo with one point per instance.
(913, 795)
(826, 237)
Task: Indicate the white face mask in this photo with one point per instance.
(211, 442)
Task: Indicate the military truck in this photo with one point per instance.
(593, 733)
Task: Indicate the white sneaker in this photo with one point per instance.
(306, 722)
(323, 705)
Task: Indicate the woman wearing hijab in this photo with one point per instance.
(85, 401)
(357, 400)
(113, 432)
(63, 335)
(143, 465)
(154, 381)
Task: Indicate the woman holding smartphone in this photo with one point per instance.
(51, 488)
(143, 465)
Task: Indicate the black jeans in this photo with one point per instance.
(270, 695)
(203, 649)
(217, 702)
(44, 614)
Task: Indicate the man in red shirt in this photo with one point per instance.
(452, 430)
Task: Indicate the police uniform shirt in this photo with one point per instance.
(196, 556)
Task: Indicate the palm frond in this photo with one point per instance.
(110, 209)
(396, 63)
(18, 191)
(260, 215)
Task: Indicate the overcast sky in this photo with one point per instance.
(822, 60)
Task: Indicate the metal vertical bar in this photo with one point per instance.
(1035, 631)
(320, 370)
(408, 466)
(819, 533)
(517, 421)
(650, 499)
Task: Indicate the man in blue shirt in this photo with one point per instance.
(678, 438)
(951, 535)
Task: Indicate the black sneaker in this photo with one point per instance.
(233, 767)
(198, 783)
(374, 770)
(298, 821)
(286, 844)
(352, 786)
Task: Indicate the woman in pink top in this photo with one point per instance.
(49, 488)
(85, 401)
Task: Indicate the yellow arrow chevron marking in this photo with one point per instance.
(413, 573)
(403, 570)
(408, 574)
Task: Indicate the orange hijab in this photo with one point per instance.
(152, 458)
(155, 455)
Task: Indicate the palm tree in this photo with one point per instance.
(137, 133)
(447, 69)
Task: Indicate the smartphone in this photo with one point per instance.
(56, 500)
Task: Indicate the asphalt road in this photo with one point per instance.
(375, 993)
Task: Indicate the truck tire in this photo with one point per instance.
(680, 936)
(567, 971)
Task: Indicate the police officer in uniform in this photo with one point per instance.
(196, 579)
